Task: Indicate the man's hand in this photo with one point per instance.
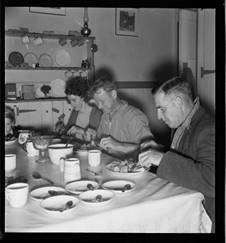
(151, 144)
(150, 157)
(110, 144)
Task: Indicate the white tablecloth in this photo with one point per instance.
(155, 206)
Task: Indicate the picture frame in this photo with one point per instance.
(49, 10)
(126, 22)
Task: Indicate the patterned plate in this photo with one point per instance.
(45, 60)
(16, 58)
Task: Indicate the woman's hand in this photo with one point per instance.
(76, 131)
(59, 127)
(90, 134)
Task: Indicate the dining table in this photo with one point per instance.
(154, 205)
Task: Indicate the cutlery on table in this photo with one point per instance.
(93, 172)
(55, 193)
(36, 175)
(90, 186)
(68, 205)
(123, 189)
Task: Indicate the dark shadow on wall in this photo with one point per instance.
(104, 72)
(164, 71)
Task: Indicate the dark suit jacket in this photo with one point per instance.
(193, 164)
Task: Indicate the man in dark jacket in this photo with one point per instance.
(190, 162)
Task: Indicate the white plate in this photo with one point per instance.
(10, 142)
(58, 87)
(30, 58)
(39, 93)
(118, 185)
(111, 166)
(89, 197)
(42, 192)
(45, 60)
(63, 58)
(78, 187)
(52, 205)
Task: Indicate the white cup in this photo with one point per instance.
(10, 162)
(31, 151)
(17, 194)
(71, 168)
(94, 157)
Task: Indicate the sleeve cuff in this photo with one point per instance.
(153, 168)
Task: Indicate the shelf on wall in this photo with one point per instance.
(46, 68)
(18, 33)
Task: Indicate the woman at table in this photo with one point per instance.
(11, 131)
(83, 115)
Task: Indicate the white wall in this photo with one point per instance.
(149, 57)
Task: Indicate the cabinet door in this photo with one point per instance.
(46, 115)
(34, 114)
(57, 111)
(67, 111)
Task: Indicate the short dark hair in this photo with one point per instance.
(77, 85)
(106, 84)
(175, 85)
(9, 113)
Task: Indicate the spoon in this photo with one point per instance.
(68, 205)
(90, 186)
(54, 193)
(36, 175)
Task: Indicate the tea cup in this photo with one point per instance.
(17, 194)
(10, 162)
(94, 157)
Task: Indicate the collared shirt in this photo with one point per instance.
(125, 123)
(185, 125)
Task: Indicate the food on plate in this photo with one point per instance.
(125, 166)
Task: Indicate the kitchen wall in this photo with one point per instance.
(150, 57)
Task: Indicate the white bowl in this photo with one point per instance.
(53, 204)
(58, 151)
(89, 197)
(77, 187)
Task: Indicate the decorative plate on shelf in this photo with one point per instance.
(30, 58)
(58, 86)
(39, 93)
(16, 58)
(63, 58)
(45, 60)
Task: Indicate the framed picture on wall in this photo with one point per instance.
(54, 10)
(126, 21)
